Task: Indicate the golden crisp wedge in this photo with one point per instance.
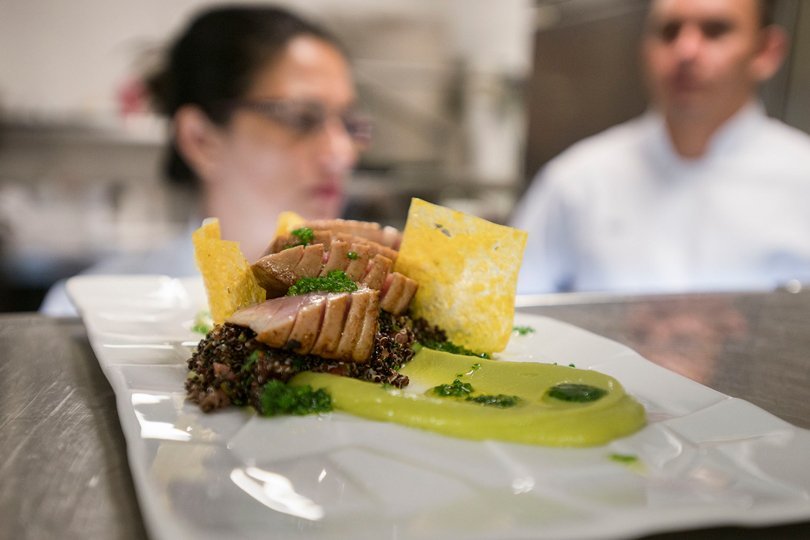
(229, 281)
(467, 271)
(287, 222)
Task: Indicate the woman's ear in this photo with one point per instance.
(771, 55)
(198, 140)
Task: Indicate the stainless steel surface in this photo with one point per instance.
(64, 470)
(65, 474)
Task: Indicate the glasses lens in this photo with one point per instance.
(358, 127)
(306, 118)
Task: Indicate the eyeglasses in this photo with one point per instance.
(308, 117)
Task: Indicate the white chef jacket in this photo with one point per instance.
(621, 211)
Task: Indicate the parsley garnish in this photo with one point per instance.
(352, 255)
(335, 281)
(305, 236)
(202, 322)
(279, 398)
(454, 389)
(523, 330)
(627, 459)
(458, 389)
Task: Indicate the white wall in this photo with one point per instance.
(59, 56)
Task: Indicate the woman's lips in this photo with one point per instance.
(328, 191)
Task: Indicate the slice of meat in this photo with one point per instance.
(307, 324)
(378, 268)
(250, 315)
(358, 263)
(333, 326)
(397, 293)
(277, 272)
(278, 327)
(272, 320)
(354, 324)
(334, 318)
(374, 248)
(288, 241)
(387, 236)
(326, 238)
(364, 345)
(337, 257)
(311, 262)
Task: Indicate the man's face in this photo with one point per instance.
(700, 55)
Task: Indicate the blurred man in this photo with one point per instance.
(704, 192)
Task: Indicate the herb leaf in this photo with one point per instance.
(203, 323)
(279, 398)
(305, 236)
(454, 389)
(335, 281)
(628, 459)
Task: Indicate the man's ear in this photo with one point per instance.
(771, 55)
(198, 140)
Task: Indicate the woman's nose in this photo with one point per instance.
(339, 147)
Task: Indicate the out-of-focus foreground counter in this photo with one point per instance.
(64, 470)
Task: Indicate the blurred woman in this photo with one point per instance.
(263, 117)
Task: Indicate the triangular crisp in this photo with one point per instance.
(467, 271)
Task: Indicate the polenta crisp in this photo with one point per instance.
(287, 222)
(467, 271)
(229, 281)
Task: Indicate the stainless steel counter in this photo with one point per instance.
(64, 470)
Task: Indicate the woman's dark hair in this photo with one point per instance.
(215, 60)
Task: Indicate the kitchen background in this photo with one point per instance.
(470, 98)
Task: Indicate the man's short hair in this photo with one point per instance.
(766, 10)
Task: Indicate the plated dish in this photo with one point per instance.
(703, 459)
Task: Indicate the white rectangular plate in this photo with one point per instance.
(704, 459)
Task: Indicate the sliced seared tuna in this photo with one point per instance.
(337, 257)
(397, 293)
(280, 243)
(272, 320)
(337, 306)
(376, 271)
(328, 238)
(358, 262)
(387, 236)
(333, 326)
(277, 272)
